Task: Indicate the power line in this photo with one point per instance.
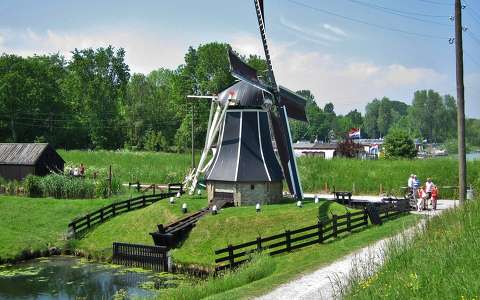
(429, 36)
(470, 9)
(473, 16)
(400, 13)
(476, 39)
(472, 58)
(436, 2)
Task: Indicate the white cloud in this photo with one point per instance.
(145, 51)
(336, 30)
(348, 84)
(311, 35)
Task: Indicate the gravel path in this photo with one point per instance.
(318, 285)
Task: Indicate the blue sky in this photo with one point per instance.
(324, 46)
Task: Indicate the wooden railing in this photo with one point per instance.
(81, 224)
(141, 256)
(325, 229)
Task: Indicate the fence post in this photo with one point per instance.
(365, 217)
(349, 223)
(128, 204)
(101, 215)
(231, 259)
(113, 209)
(259, 244)
(88, 220)
(320, 231)
(143, 200)
(288, 237)
(334, 225)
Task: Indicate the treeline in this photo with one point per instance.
(93, 101)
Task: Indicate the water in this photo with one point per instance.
(70, 278)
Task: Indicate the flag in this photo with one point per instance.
(374, 149)
(354, 133)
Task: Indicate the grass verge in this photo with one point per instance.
(31, 225)
(440, 262)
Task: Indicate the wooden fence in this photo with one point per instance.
(325, 229)
(101, 215)
(142, 256)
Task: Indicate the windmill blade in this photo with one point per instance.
(282, 149)
(262, 11)
(294, 103)
(244, 72)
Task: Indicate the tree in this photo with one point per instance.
(398, 144)
(348, 148)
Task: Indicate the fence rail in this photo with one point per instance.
(295, 239)
(81, 224)
(141, 256)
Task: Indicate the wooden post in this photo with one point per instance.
(154, 188)
(88, 220)
(259, 244)
(462, 163)
(349, 224)
(231, 259)
(353, 188)
(113, 209)
(144, 201)
(101, 215)
(381, 188)
(128, 204)
(288, 238)
(334, 225)
(320, 232)
(365, 217)
(110, 180)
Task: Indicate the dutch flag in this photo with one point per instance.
(354, 133)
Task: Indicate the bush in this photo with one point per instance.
(60, 186)
(103, 186)
(398, 144)
(33, 186)
(12, 187)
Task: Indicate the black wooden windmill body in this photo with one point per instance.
(244, 168)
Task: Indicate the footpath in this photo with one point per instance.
(318, 285)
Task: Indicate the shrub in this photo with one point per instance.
(33, 186)
(60, 186)
(398, 144)
(12, 187)
(103, 186)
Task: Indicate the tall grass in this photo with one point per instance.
(260, 266)
(64, 187)
(369, 176)
(146, 167)
(440, 262)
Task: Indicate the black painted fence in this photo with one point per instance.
(82, 224)
(325, 229)
(141, 256)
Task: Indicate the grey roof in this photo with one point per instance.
(21, 153)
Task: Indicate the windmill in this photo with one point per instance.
(244, 168)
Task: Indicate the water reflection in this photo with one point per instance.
(69, 278)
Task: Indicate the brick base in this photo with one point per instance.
(246, 193)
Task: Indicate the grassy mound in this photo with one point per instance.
(134, 227)
(242, 224)
(442, 262)
(30, 225)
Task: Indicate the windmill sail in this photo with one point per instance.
(294, 104)
(242, 71)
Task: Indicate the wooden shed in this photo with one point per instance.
(17, 160)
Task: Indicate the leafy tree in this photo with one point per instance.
(398, 144)
(349, 149)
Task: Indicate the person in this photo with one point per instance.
(75, 171)
(434, 197)
(410, 183)
(82, 170)
(421, 199)
(428, 187)
(416, 185)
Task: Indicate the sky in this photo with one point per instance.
(347, 52)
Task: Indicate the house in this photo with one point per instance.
(17, 160)
(324, 150)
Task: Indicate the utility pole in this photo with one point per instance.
(193, 138)
(462, 161)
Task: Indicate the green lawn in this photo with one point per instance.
(440, 263)
(31, 224)
(286, 266)
(135, 226)
(243, 224)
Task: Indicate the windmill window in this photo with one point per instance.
(252, 187)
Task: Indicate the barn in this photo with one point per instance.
(17, 160)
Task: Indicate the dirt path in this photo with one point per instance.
(318, 285)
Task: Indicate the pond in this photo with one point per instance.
(65, 277)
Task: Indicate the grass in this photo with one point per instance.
(316, 173)
(366, 176)
(29, 225)
(242, 224)
(441, 262)
(146, 167)
(291, 265)
(134, 227)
